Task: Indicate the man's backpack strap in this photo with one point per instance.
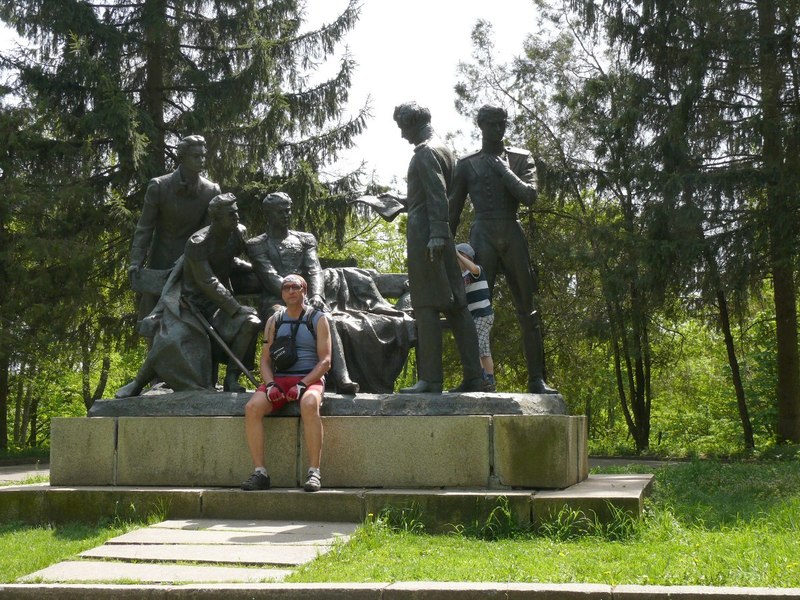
(309, 319)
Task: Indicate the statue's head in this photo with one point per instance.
(412, 119)
(223, 211)
(191, 152)
(277, 208)
(492, 121)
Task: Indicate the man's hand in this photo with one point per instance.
(436, 247)
(133, 270)
(274, 392)
(247, 310)
(499, 163)
(296, 391)
(318, 302)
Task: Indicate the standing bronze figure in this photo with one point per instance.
(434, 276)
(175, 206)
(497, 179)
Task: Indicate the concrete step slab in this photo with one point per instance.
(443, 507)
(260, 526)
(180, 536)
(104, 571)
(284, 555)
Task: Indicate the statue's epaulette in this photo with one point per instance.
(518, 151)
(470, 155)
(157, 181)
(257, 241)
(195, 242)
(306, 238)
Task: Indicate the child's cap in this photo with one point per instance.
(466, 249)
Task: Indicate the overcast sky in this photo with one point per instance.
(409, 50)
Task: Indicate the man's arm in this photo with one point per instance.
(265, 364)
(207, 281)
(434, 187)
(312, 271)
(263, 268)
(323, 352)
(518, 172)
(458, 195)
(467, 265)
(143, 234)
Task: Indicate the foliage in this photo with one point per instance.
(657, 197)
(708, 523)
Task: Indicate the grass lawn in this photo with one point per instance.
(708, 523)
(26, 548)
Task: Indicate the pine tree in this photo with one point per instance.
(102, 92)
(725, 129)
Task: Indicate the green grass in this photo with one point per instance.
(708, 523)
(26, 548)
(27, 481)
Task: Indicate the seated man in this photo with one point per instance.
(281, 251)
(196, 298)
(303, 382)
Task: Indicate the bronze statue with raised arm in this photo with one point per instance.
(497, 179)
(433, 272)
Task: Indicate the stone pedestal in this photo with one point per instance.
(486, 441)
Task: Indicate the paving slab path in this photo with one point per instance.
(180, 551)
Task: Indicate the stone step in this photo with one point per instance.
(205, 537)
(104, 571)
(236, 542)
(288, 556)
(441, 509)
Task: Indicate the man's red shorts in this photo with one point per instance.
(285, 383)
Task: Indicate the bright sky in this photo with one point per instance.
(409, 50)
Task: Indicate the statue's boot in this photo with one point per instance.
(533, 348)
(134, 388)
(339, 372)
(243, 347)
(470, 385)
(231, 382)
(423, 387)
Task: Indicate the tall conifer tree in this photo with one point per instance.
(108, 88)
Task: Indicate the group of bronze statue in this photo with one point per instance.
(189, 246)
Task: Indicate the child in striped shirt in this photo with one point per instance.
(480, 306)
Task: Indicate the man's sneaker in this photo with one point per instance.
(256, 481)
(313, 482)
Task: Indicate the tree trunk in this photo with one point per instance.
(26, 416)
(156, 34)
(101, 385)
(5, 365)
(18, 403)
(741, 403)
(781, 227)
(34, 413)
